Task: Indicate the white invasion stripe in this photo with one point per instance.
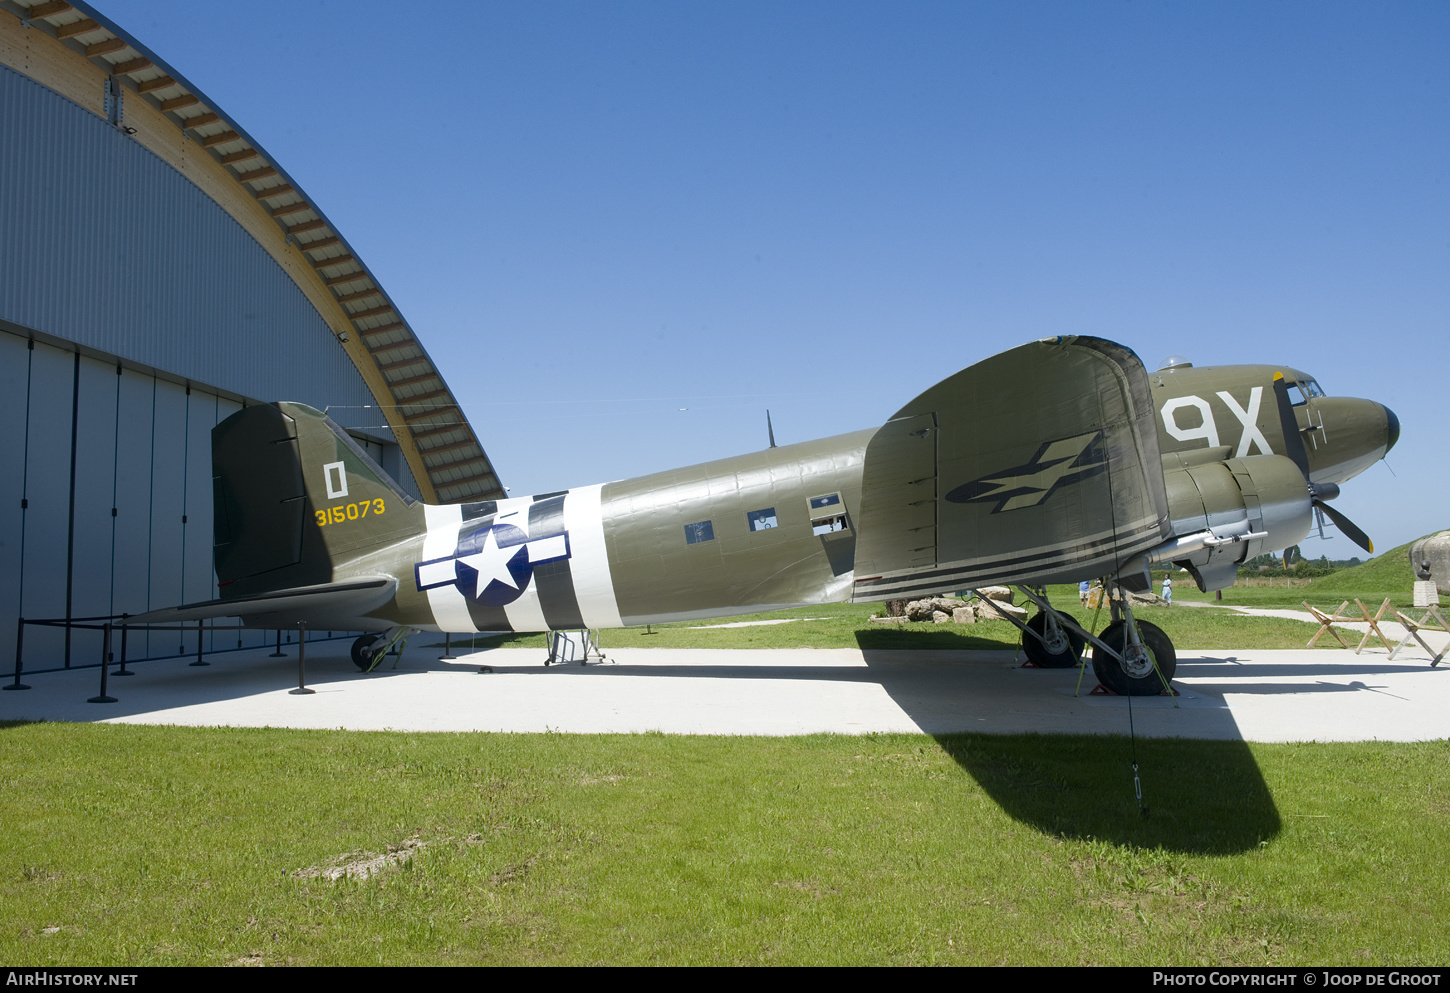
(450, 609)
(589, 558)
(525, 613)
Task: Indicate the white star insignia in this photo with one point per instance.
(491, 562)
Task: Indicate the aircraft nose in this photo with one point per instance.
(1392, 428)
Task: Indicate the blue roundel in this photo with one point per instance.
(485, 556)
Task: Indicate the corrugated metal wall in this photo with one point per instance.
(105, 246)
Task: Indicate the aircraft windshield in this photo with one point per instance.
(1300, 393)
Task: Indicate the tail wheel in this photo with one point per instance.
(1061, 651)
(1135, 675)
(362, 651)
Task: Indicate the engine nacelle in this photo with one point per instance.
(1226, 512)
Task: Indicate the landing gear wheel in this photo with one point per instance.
(1135, 675)
(1060, 652)
(362, 651)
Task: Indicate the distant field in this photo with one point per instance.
(1385, 575)
(128, 845)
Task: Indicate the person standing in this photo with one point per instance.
(1168, 590)
(1082, 592)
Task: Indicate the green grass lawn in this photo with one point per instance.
(128, 845)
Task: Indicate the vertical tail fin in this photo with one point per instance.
(294, 496)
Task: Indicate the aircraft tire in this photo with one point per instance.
(1110, 671)
(1037, 652)
(362, 656)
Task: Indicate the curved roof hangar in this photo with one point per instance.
(73, 50)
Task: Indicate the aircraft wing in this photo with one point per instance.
(1037, 465)
(341, 606)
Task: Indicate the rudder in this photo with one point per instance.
(295, 495)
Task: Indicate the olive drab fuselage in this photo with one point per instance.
(1102, 467)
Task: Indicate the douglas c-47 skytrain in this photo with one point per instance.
(1055, 462)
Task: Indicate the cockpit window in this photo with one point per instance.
(1300, 393)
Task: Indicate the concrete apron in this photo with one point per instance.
(1323, 695)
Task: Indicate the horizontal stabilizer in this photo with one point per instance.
(284, 608)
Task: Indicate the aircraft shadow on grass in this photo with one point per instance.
(1202, 796)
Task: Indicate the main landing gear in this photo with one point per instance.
(1048, 643)
(1130, 657)
(1134, 667)
(368, 650)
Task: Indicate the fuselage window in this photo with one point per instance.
(828, 514)
(761, 520)
(696, 533)
(1296, 395)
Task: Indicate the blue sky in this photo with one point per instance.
(597, 214)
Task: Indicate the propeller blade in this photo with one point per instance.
(1293, 442)
(1350, 529)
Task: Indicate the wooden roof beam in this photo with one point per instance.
(398, 346)
(458, 463)
(241, 156)
(363, 315)
(159, 83)
(360, 295)
(382, 328)
(431, 412)
(291, 208)
(84, 26)
(220, 138)
(412, 360)
(449, 483)
(414, 401)
(106, 47)
(415, 380)
(345, 278)
(179, 103)
(130, 66)
(427, 452)
(50, 9)
(441, 429)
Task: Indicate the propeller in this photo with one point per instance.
(1319, 493)
(1350, 529)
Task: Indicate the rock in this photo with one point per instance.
(996, 610)
(927, 609)
(1002, 594)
